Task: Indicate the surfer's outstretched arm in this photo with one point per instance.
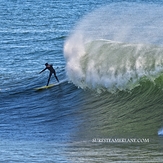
(42, 70)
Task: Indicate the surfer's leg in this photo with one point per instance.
(49, 79)
(56, 76)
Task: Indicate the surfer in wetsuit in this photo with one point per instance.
(52, 71)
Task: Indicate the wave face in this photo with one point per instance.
(115, 47)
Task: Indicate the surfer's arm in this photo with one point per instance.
(42, 70)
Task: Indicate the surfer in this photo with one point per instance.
(52, 71)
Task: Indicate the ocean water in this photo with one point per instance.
(108, 56)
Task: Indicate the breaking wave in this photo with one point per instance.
(110, 51)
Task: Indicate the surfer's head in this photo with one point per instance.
(46, 64)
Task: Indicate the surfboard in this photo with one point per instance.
(45, 87)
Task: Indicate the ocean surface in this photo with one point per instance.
(108, 105)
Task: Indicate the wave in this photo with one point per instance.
(112, 66)
(111, 51)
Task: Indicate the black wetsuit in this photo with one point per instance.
(52, 71)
